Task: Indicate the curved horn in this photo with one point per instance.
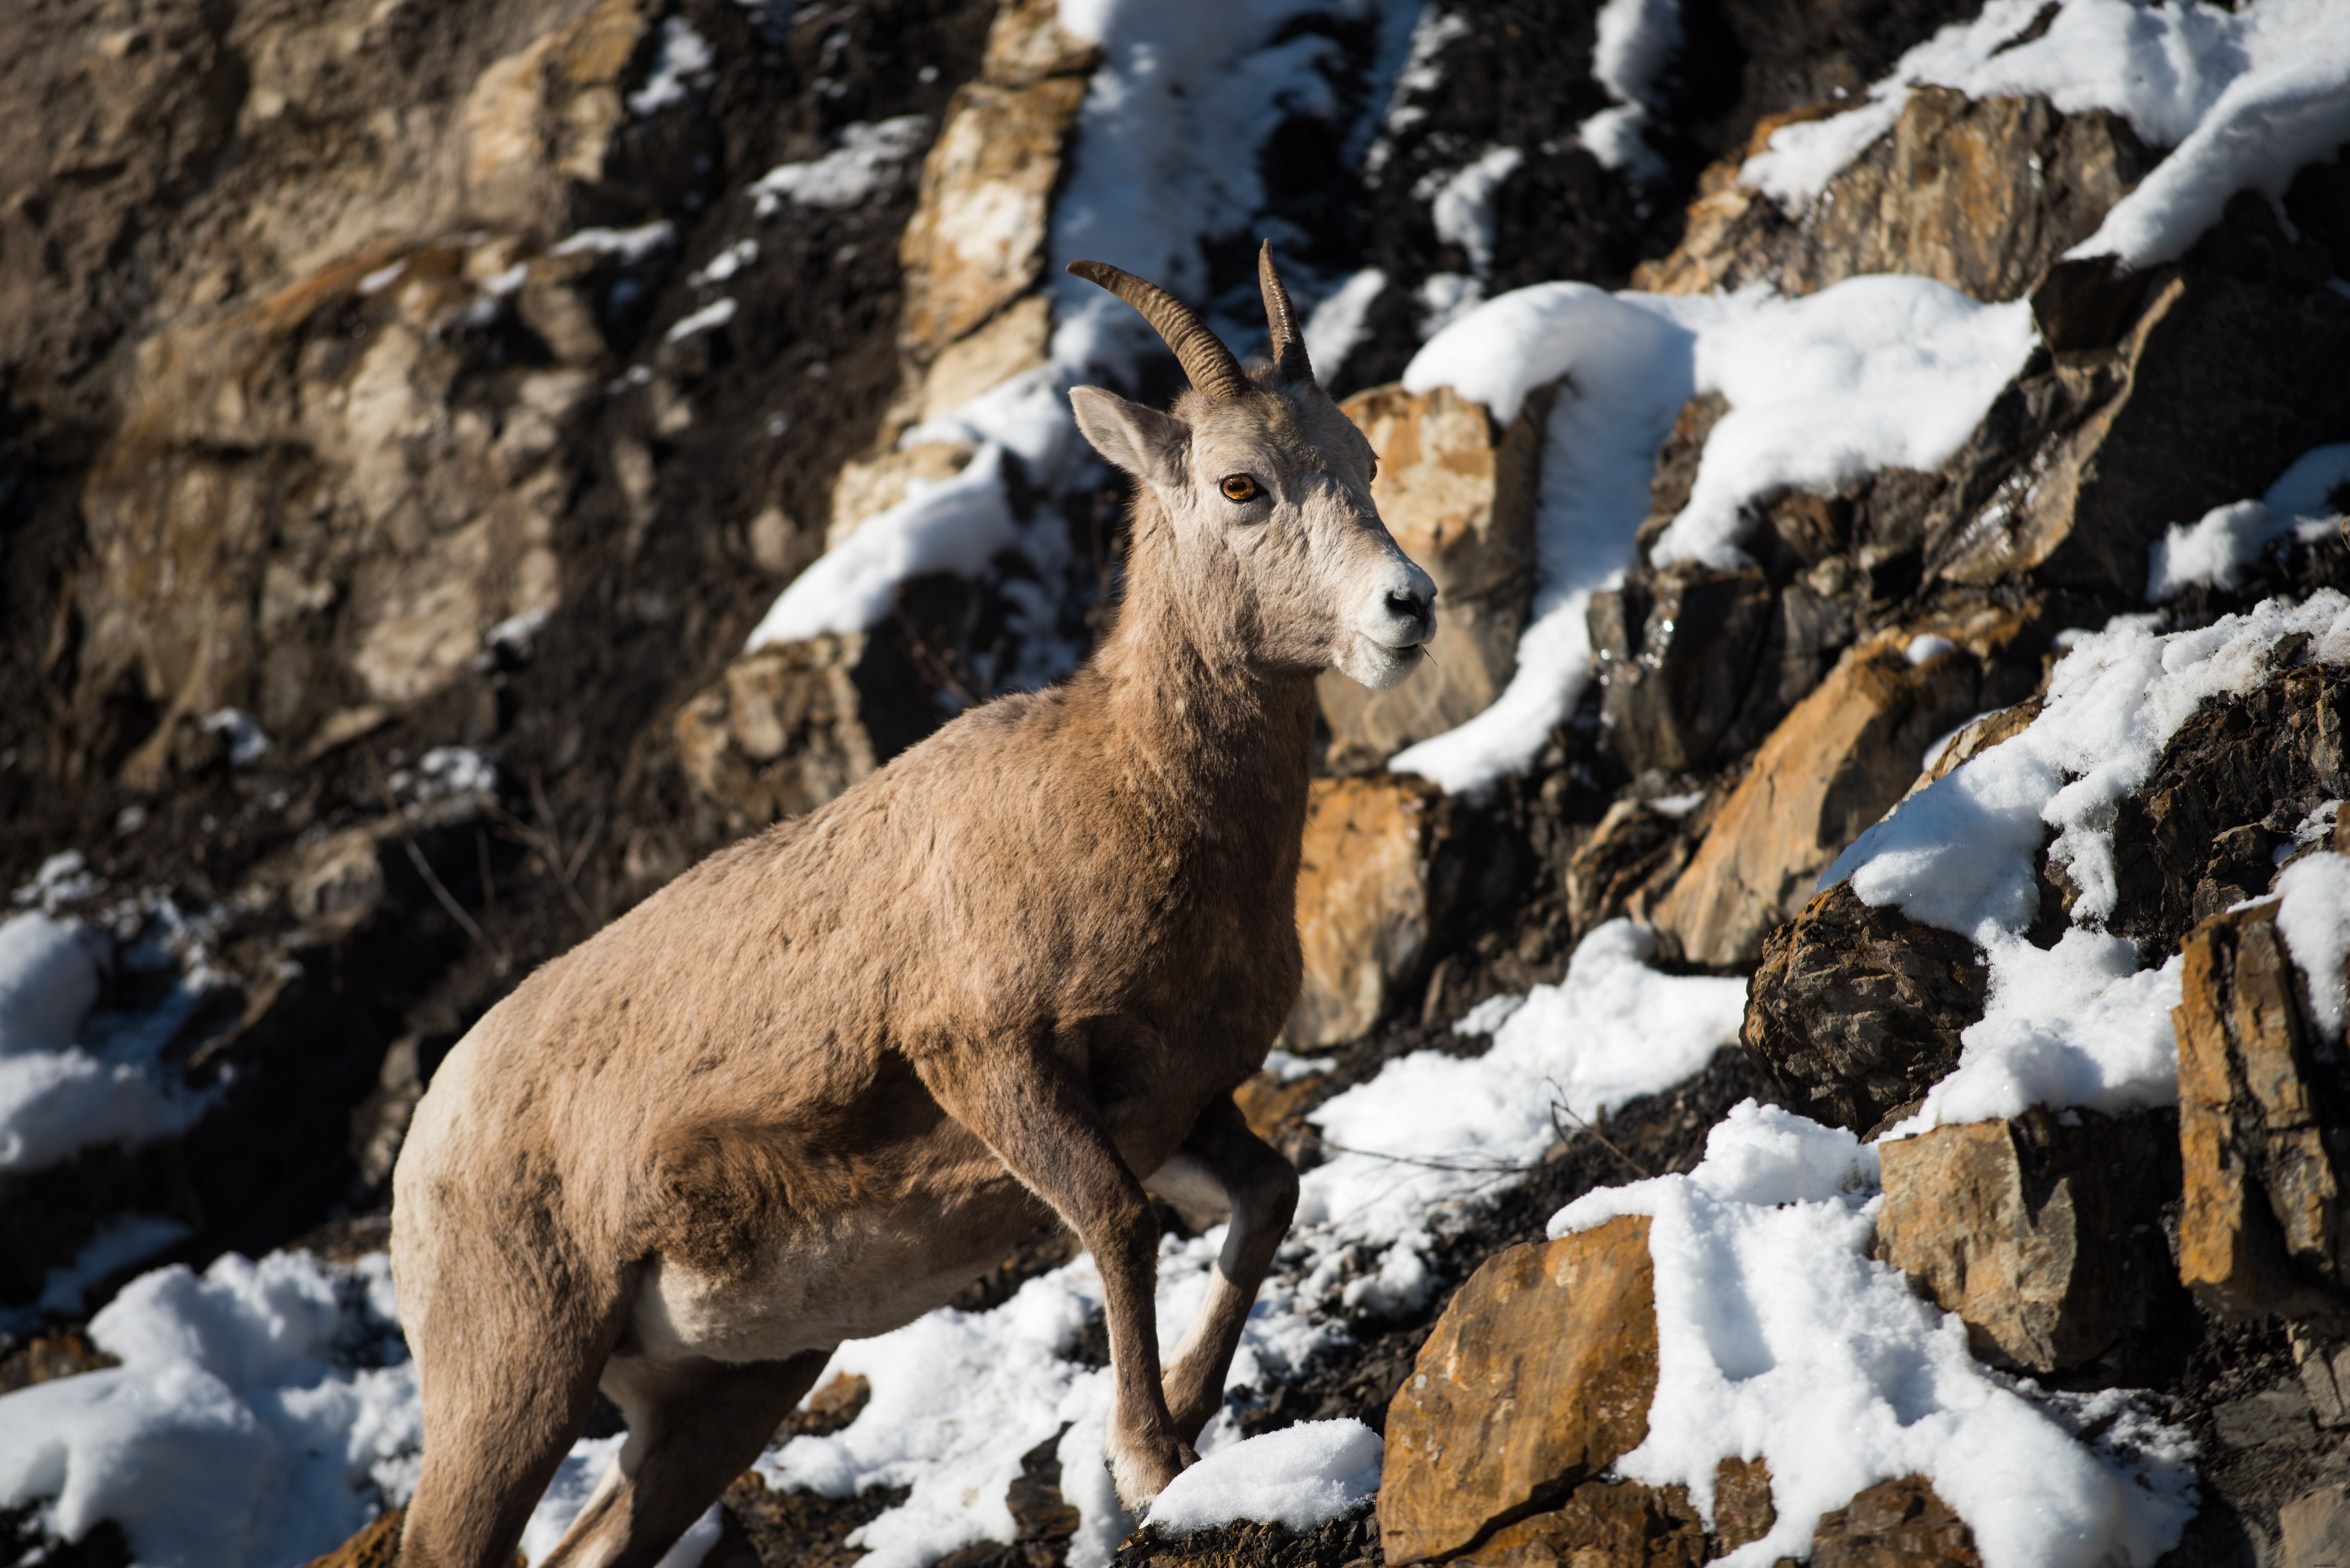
(1289, 359)
(1201, 354)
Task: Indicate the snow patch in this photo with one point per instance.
(715, 315)
(1636, 43)
(1340, 321)
(2244, 98)
(681, 62)
(2218, 549)
(867, 158)
(1460, 203)
(2313, 917)
(1780, 1338)
(633, 246)
(1301, 1478)
(2079, 1024)
(249, 743)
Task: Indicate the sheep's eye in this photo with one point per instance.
(1239, 487)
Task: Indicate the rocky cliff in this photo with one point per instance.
(462, 465)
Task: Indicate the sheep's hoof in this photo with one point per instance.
(1140, 1468)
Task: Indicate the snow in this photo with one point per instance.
(1339, 322)
(633, 247)
(1925, 648)
(716, 314)
(1874, 372)
(2243, 100)
(950, 525)
(682, 61)
(1636, 43)
(1779, 1338)
(2079, 1024)
(1460, 203)
(455, 771)
(261, 1414)
(247, 741)
(2218, 549)
(65, 1086)
(574, 1482)
(125, 1239)
(1300, 1477)
(2313, 917)
(866, 159)
(726, 262)
(1445, 298)
(63, 878)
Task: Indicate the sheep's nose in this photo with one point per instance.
(1414, 605)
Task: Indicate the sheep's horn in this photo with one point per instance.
(1289, 359)
(1204, 356)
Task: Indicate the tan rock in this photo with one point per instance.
(377, 1546)
(539, 123)
(2262, 1230)
(2039, 1233)
(1982, 195)
(1458, 491)
(1743, 1510)
(1898, 1523)
(869, 486)
(1363, 901)
(1014, 340)
(2314, 1530)
(1539, 1373)
(1630, 860)
(782, 732)
(976, 241)
(1832, 766)
(1618, 1524)
(337, 883)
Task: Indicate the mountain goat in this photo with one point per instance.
(823, 1080)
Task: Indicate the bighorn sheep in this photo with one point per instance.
(825, 1078)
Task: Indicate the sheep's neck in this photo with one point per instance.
(1209, 732)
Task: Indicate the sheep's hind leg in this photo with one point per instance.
(1223, 1168)
(693, 1426)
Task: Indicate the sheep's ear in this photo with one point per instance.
(1145, 442)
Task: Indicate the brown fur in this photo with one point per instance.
(805, 1092)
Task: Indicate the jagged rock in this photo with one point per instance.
(1983, 195)
(1664, 642)
(1367, 897)
(1834, 766)
(1630, 861)
(1621, 1524)
(377, 1546)
(2314, 1530)
(2232, 784)
(2223, 376)
(2041, 1233)
(1538, 1374)
(1743, 1510)
(977, 238)
(1856, 1011)
(2263, 1229)
(1458, 491)
(1898, 1523)
(870, 485)
(782, 732)
(1249, 1543)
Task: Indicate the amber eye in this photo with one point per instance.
(1238, 487)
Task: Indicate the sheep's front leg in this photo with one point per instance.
(1223, 1168)
(1039, 1120)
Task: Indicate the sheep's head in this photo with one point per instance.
(1268, 487)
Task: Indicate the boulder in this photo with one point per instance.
(2263, 1226)
(1537, 1376)
(1664, 642)
(2043, 1233)
(1368, 897)
(1630, 860)
(1832, 766)
(1621, 1524)
(782, 732)
(1898, 1523)
(1458, 491)
(1856, 1011)
(1983, 195)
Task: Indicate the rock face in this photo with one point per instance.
(2042, 1234)
(1832, 767)
(1366, 897)
(1458, 493)
(1538, 1374)
(1856, 1011)
(2262, 1230)
(1982, 195)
